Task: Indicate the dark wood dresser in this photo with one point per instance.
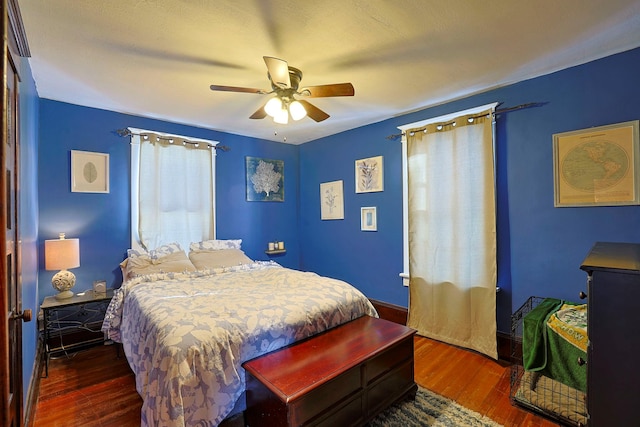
(344, 376)
(613, 377)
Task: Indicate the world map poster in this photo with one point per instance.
(597, 166)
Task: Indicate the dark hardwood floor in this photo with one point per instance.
(95, 388)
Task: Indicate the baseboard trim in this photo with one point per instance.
(34, 387)
(399, 314)
(504, 347)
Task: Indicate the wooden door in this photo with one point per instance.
(10, 287)
(13, 288)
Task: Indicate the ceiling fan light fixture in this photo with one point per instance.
(273, 106)
(281, 117)
(285, 86)
(297, 110)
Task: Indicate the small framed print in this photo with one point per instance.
(368, 219)
(100, 288)
(89, 172)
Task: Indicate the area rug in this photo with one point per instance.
(430, 409)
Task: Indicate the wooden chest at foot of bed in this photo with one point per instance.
(344, 376)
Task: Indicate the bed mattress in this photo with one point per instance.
(186, 335)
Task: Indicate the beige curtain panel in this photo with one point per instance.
(452, 233)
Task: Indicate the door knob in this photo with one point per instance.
(24, 316)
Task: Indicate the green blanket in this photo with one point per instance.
(546, 351)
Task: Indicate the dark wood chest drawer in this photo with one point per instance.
(344, 376)
(613, 378)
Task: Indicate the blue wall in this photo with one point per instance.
(540, 247)
(28, 220)
(371, 261)
(101, 221)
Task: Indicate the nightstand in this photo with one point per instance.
(76, 320)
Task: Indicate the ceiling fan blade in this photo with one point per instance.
(278, 72)
(314, 112)
(338, 89)
(236, 89)
(259, 114)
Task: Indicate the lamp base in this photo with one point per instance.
(62, 282)
(64, 295)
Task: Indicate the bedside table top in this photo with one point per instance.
(81, 298)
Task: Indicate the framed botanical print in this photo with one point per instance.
(369, 175)
(331, 200)
(89, 172)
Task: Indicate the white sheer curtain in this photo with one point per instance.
(452, 232)
(172, 190)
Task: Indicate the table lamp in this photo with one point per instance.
(62, 254)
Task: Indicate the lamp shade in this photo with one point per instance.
(61, 254)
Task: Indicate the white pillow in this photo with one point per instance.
(156, 253)
(176, 262)
(204, 260)
(215, 245)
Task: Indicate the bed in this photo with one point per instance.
(545, 373)
(186, 332)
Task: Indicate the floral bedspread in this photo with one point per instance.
(185, 335)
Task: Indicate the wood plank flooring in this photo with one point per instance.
(94, 388)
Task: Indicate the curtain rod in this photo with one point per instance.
(127, 132)
(495, 113)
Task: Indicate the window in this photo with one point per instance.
(172, 189)
(405, 175)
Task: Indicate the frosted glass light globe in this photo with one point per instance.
(297, 110)
(281, 117)
(273, 106)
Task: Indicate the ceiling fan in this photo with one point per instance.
(285, 82)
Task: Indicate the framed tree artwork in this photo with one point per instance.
(265, 180)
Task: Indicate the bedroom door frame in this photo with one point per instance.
(11, 378)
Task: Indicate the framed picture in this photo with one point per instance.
(99, 288)
(369, 176)
(368, 219)
(265, 180)
(89, 172)
(597, 166)
(331, 200)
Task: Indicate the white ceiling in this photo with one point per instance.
(157, 58)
